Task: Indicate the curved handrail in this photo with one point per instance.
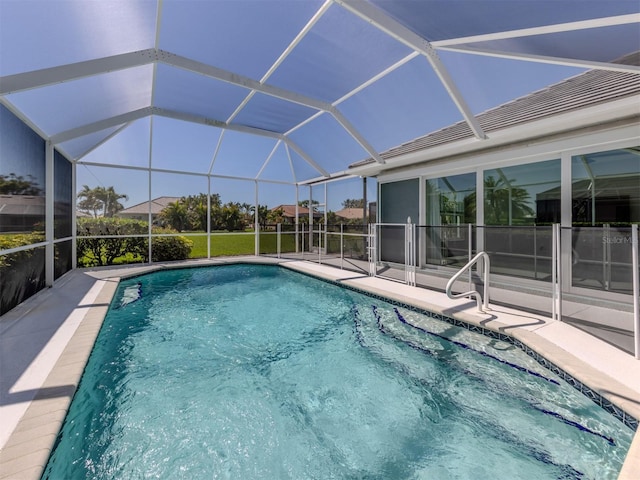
(482, 305)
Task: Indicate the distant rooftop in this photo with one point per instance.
(157, 205)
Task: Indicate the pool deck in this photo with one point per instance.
(46, 341)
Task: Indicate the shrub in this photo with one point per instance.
(22, 273)
(104, 251)
(108, 251)
(169, 248)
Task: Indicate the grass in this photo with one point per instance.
(223, 244)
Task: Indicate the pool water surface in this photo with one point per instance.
(259, 372)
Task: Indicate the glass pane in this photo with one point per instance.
(22, 177)
(606, 200)
(606, 187)
(451, 200)
(62, 258)
(523, 194)
(63, 196)
(22, 276)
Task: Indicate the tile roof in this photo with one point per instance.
(157, 204)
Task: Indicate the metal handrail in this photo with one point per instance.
(483, 303)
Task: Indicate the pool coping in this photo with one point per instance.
(27, 450)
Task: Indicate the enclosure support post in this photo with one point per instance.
(636, 289)
(278, 237)
(341, 246)
(49, 216)
(556, 274)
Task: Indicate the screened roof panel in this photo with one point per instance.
(80, 146)
(487, 82)
(383, 104)
(64, 106)
(241, 154)
(182, 144)
(446, 19)
(129, 148)
(244, 37)
(50, 33)
(189, 92)
(327, 143)
(302, 169)
(278, 166)
(603, 44)
(273, 114)
(340, 52)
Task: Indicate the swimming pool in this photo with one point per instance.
(250, 371)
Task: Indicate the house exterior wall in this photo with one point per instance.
(538, 182)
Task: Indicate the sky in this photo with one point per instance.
(339, 54)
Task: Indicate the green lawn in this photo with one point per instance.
(238, 244)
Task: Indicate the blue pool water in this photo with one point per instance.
(258, 372)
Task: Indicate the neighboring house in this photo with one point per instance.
(289, 213)
(141, 210)
(21, 213)
(350, 213)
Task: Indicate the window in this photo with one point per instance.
(523, 195)
(451, 200)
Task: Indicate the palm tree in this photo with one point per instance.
(503, 202)
(89, 203)
(97, 199)
(176, 215)
(110, 200)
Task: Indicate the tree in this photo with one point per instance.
(353, 203)
(13, 184)
(88, 202)
(503, 202)
(176, 215)
(305, 203)
(104, 201)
